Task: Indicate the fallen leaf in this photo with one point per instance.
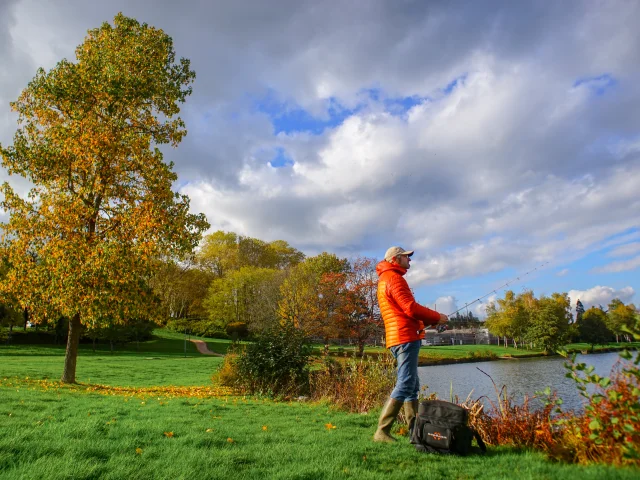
(138, 451)
(329, 426)
(168, 434)
(264, 427)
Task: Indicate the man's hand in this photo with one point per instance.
(443, 319)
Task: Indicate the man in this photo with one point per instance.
(404, 324)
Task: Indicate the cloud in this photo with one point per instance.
(484, 137)
(446, 305)
(621, 266)
(600, 295)
(562, 272)
(480, 308)
(624, 250)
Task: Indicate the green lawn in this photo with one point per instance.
(442, 353)
(164, 342)
(55, 432)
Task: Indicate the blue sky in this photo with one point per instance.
(490, 138)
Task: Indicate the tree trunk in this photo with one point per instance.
(25, 315)
(71, 355)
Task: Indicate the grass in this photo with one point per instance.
(51, 431)
(443, 353)
(164, 342)
(58, 434)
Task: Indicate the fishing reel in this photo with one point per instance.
(438, 328)
(441, 328)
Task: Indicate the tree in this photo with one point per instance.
(181, 287)
(501, 318)
(579, 310)
(363, 318)
(327, 318)
(239, 296)
(225, 251)
(300, 290)
(219, 253)
(82, 244)
(550, 324)
(593, 327)
(619, 317)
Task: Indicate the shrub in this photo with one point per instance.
(355, 385)
(227, 374)
(275, 365)
(506, 422)
(608, 430)
(237, 330)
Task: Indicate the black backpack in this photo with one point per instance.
(441, 427)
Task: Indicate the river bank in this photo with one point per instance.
(516, 354)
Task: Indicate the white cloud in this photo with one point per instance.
(600, 295)
(517, 165)
(624, 250)
(480, 308)
(562, 272)
(621, 266)
(446, 305)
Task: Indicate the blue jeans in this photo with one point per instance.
(407, 383)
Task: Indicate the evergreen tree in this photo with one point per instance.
(579, 311)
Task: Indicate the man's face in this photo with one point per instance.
(403, 261)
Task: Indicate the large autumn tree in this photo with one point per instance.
(82, 244)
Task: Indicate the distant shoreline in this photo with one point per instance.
(451, 361)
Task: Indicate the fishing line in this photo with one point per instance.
(442, 328)
(466, 305)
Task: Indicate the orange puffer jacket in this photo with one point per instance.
(404, 318)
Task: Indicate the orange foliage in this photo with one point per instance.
(140, 392)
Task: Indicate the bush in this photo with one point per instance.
(275, 365)
(227, 374)
(356, 385)
(237, 330)
(201, 327)
(505, 422)
(608, 430)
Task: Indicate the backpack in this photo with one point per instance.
(441, 427)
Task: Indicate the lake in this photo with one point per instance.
(522, 377)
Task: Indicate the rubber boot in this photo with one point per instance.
(387, 417)
(410, 412)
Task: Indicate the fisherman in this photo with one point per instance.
(404, 324)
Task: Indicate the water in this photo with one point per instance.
(522, 377)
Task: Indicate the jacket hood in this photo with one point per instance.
(385, 266)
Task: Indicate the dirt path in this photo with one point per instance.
(204, 349)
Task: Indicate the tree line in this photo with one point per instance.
(238, 285)
(548, 322)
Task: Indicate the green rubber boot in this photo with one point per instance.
(387, 417)
(410, 411)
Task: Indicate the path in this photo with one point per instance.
(204, 349)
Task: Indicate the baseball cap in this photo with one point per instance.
(395, 251)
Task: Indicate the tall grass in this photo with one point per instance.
(506, 422)
(356, 385)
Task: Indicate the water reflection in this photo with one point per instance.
(522, 377)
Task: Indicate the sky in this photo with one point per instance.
(500, 140)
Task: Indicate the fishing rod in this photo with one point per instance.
(442, 328)
(466, 305)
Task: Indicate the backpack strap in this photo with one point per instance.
(481, 444)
